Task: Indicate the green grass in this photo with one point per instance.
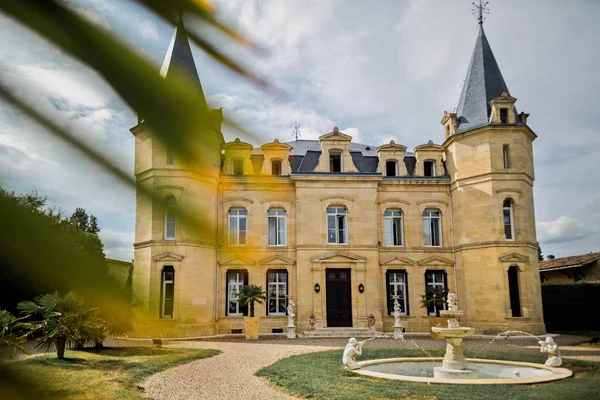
(110, 373)
(322, 376)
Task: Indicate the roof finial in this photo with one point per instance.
(296, 131)
(479, 10)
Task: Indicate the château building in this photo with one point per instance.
(341, 227)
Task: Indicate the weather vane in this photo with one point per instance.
(480, 9)
(296, 131)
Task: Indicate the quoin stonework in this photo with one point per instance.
(340, 226)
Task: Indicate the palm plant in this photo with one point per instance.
(66, 320)
(13, 331)
(251, 294)
(435, 299)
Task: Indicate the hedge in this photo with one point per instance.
(571, 306)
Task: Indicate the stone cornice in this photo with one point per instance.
(485, 129)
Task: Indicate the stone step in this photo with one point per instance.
(342, 332)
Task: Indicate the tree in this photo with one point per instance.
(540, 255)
(251, 294)
(66, 320)
(13, 331)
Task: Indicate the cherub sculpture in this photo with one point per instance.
(549, 346)
(353, 348)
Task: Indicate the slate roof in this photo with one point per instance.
(482, 84)
(569, 262)
(179, 57)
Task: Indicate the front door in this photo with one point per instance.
(339, 298)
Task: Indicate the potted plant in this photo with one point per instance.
(435, 299)
(249, 295)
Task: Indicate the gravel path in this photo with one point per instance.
(230, 375)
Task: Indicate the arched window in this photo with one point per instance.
(276, 227)
(337, 230)
(238, 226)
(513, 289)
(170, 217)
(507, 211)
(236, 279)
(335, 161)
(432, 228)
(167, 291)
(277, 289)
(391, 168)
(275, 167)
(392, 223)
(429, 168)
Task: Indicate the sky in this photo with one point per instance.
(379, 70)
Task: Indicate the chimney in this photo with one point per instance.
(550, 257)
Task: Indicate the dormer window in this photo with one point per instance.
(276, 167)
(429, 168)
(504, 115)
(391, 168)
(237, 167)
(335, 161)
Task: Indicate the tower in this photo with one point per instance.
(175, 248)
(489, 158)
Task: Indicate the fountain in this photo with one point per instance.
(455, 368)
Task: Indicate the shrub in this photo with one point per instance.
(571, 306)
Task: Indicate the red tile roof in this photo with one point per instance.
(572, 261)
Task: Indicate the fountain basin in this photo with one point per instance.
(458, 332)
(493, 372)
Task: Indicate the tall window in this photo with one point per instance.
(337, 231)
(335, 161)
(236, 279)
(276, 227)
(429, 168)
(396, 286)
(238, 222)
(391, 168)
(170, 217)
(167, 291)
(392, 223)
(237, 167)
(276, 167)
(513, 288)
(170, 157)
(504, 116)
(505, 156)
(277, 292)
(432, 228)
(435, 285)
(507, 211)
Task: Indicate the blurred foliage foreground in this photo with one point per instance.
(35, 248)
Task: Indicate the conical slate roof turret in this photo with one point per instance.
(483, 83)
(179, 57)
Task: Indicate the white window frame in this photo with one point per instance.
(433, 172)
(280, 216)
(428, 218)
(508, 209)
(170, 217)
(394, 287)
(163, 293)
(233, 289)
(389, 219)
(337, 212)
(237, 214)
(273, 288)
(435, 284)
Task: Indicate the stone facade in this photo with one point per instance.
(182, 283)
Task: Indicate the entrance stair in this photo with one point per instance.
(343, 332)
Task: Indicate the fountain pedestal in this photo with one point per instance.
(454, 365)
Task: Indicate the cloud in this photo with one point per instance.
(148, 29)
(117, 244)
(566, 229)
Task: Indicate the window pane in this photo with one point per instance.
(272, 230)
(341, 229)
(397, 230)
(389, 237)
(281, 232)
(435, 232)
(426, 232)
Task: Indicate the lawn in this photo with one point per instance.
(110, 373)
(322, 376)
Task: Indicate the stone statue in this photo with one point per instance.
(312, 320)
(353, 348)
(371, 322)
(398, 328)
(452, 302)
(549, 346)
(290, 312)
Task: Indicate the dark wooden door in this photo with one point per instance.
(339, 298)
